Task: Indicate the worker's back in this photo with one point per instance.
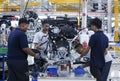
(15, 44)
(98, 44)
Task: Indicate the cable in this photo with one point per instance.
(25, 8)
(45, 8)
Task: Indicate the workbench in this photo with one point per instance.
(65, 79)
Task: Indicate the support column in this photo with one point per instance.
(109, 16)
(116, 14)
(22, 8)
(99, 4)
(84, 13)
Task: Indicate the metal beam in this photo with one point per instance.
(109, 16)
(10, 13)
(84, 13)
(22, 7)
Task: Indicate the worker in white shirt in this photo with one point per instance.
(41, 38)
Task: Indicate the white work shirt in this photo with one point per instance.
(41, 39)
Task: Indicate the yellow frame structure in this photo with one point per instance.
(66, 5)
(8, 6)
(116, 14)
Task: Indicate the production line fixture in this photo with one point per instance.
(60, 60)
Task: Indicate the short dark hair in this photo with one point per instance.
(97, 22)
(23, 20)
(11, 28)
(44, 22)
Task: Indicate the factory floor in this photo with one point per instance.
(115, 68)
(64, 79)
(114, 74)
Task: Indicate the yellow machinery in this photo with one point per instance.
(8, 5)
(34, 4)
(1, 4)
(66, 5)
(116, 14)
(61, 5)
(64, 1)
(9, 8)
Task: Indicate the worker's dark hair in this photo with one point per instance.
(97, 22)
(78, 45)
(23, 20)
(11, 28)
(44, 21)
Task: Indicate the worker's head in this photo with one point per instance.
(45, 25)
(96, 24)
(12, 28)
(23, 24)
(79, 48)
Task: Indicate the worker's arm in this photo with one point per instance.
(107, 47)
(37, 46)
(28, 51)
(24, 44)
(90, 45)
(106, 50)
(85, 51)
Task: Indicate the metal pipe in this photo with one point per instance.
(99, 4)
(84, 13)
(22, 8)
(109, 16)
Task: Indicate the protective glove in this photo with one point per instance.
(37, 56)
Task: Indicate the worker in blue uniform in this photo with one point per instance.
(98, 45)
(18, 51)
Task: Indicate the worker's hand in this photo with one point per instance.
(41, 48)
(37, 56)
(81, 50)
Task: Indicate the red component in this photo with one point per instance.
(85, 44)
(50, 75)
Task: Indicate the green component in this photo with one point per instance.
(3, 50)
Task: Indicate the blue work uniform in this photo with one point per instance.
(17, 58)
(98, 43)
